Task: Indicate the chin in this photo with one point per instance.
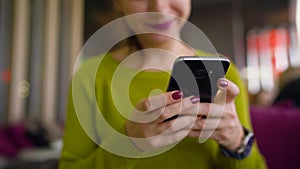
(157, 38)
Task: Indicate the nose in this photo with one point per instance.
(159, 6)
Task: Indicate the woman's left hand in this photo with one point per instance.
(221, 123)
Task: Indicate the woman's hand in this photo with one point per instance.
(151, 127)
(222, 123)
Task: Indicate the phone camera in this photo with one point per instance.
(200, 74)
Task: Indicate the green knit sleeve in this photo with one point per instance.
(79, 151)
(83, 144)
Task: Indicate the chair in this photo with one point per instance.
(277, 132)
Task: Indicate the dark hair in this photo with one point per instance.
(100, 5)
(105, 9)
(291, 92)
(97, 14)
(289, 86)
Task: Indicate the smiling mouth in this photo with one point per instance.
(161, 26)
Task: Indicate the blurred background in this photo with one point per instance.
(41, 39)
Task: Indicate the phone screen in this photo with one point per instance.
(198, 76)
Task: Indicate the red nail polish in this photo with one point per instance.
(177, 95)
(195, 99)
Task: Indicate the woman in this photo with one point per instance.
(151, 140)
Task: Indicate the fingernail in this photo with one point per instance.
(195, 99)
(223, 83)
(177, 95)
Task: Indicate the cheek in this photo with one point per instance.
(132, 11)
(134, 7)
(184, 8)
(135, 22)
(186, 13)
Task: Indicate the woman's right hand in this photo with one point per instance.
(150, 126)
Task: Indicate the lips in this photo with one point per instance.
(161, 26)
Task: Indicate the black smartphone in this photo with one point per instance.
(198, 75)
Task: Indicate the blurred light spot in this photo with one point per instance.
(6, 76)
(23, 89)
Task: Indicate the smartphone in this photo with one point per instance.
(198, 76)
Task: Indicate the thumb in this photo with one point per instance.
(227, 91)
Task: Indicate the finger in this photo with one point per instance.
(199, 123)
(210, 124)
(227, 91)
(159, 101)
(209, 127)
(188, 106)
(194, 133)
(216, 110)
(175, 137)
(181, 123)
(207, 124)
(165, 139)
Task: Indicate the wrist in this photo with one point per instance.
(239, 142)
(243, 150)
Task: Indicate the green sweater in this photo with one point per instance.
(104, 94)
